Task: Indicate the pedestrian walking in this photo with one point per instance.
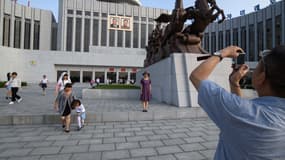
(8, 87)
(63, 104)
(62, 81)
(43, 84)
(15, 84)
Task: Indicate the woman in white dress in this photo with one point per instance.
(62, 81)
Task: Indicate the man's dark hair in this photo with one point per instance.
(15, 73)
(275, 69)
(75, 103)
(68, 85)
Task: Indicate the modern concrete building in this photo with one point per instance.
(254, 32)
(26, 28)
(85, 45)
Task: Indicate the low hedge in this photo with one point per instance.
(116, 86)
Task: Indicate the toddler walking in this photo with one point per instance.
(81, 114)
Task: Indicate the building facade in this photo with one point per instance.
(81, 43)
(26, 28)
(85, 23)
(253, 32)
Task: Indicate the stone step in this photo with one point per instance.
(105, 117)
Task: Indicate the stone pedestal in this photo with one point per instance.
(170, 79)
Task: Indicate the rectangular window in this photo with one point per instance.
(87, 13)
(269, 34)
(69, 11)
(221, 40)
(120, 38)
(95, 32)
(86, 35)
(6, 30)
(206, 42)
(36, 35)
(78, 31)
(143, 19)
(104, 33)
(104, 15)
(251, 43)
(278, 30)
(136, 35)
(112, 38)
(128, 39)
(17, 33)
(69, 34)
(79, 12)
(260, 32)
(228, 38)
(243, 39)
(27, 39)
(96, 14)
(136, 18)
(213, 42)
(150, 20)
(54, 38)
(143, 35)
(235, 36)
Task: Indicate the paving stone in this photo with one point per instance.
(143, 152)
(45, 150)
(173, 141)
(90, 141)
(194, 139)
(168, 150)
(102, 147)
(155, 143)
(210, 145)
(24, 158)
(137, 158)
(65, 143)
(124, 134)
(39, 144)
(130, 145)
(208, 153)
(115, 154)
(178, 135)
(164, 157)
(114, 140)
(158, 137)
(56, 157)
(136, 138)
(144, 133)
(192, 147)
(75, 149)
(87, 156)
(57, 137)
(189, 156)
(16, 152)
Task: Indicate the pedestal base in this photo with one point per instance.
(170, 79)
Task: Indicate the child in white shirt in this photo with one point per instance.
(15, 84)
(81, 113)
(43, 84)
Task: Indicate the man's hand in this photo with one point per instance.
(238, 74)
(231, 52)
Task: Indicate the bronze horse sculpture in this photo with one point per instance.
(175, 39)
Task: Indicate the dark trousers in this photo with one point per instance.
(14, 93)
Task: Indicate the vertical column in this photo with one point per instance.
(13, 7)
(273, 9)
(255, 38)
(100, 25)
(247, 36)
(23, 29)
(74, 31)
(1, 21)
(239, 34)
(81, 76)
(106, 77)
(93, 75)
(129, 77)
(264, 29)
(117, 76)
(91, 24)
(82, 31)
(32, 30)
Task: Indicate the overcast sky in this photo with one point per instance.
(230, 6)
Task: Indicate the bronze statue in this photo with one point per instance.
(175, 39)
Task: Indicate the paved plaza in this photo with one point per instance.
(163, 138)
(187, 139)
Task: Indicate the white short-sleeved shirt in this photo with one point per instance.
(80, 109)
(45, 81)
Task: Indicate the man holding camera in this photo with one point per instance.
(250, 129)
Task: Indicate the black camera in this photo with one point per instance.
(240, 60)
